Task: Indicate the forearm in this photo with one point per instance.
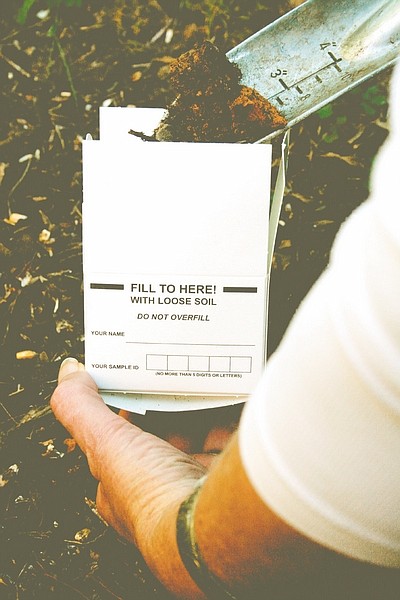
(242, 542)
(254, 553)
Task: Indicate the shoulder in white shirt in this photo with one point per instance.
(320, 438)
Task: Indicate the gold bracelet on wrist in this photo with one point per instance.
(190, 554)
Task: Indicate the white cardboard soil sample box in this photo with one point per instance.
(175, 242)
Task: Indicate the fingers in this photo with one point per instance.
(183, 430)
(214, 442)
(191, 432)
(217, 439)
(128, 416)
(206, 459)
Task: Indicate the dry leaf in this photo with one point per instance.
(357, 135)
(51, 451)
(71, 444)
(64, 325)
(8, 474)
(14, 218)
(25, 355)
(49, 447)
(350, 160)
(3, 167)
(382, 124)
(42, 14)
(136, 76)
(47, 443)
(82, 535)
(300, 197)
(189, 31)
(92, 505)
(164, 59)
(25, 157)
(323, 222)
(27, 279)
(8, 291)
(44, 235)
(169, 34)
(4, 250)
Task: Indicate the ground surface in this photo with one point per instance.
(55, 72)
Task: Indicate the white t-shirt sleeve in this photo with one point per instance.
(320, 438)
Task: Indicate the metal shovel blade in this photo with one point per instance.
(317, 52)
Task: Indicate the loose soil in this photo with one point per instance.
(212, 105)
(55, 72)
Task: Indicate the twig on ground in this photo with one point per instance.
(15, 66)
(19, 181)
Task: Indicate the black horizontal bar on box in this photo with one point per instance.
(106, 286)
(241, 290)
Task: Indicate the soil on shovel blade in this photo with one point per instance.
(212, 105)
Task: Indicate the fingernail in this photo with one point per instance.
(69, 365)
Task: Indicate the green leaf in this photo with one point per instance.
(368, 109)
(379, 100)
(52, 30)
(330, 137)
(27, 5)
(326, 111)
(24, 10)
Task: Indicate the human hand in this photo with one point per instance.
(142, 479)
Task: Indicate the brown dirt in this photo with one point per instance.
(212, 105)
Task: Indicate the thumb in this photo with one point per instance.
(68, 366)
(78, 405)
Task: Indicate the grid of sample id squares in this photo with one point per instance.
(196, 363)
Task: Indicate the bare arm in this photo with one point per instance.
(142, 482)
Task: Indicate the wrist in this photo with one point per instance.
(158, 546)
(205, 579)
